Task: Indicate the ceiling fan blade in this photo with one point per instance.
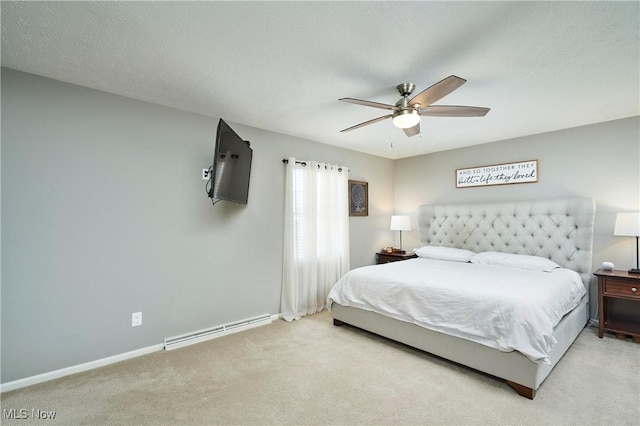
(368, 103)
(412, 131)
(454, 111)
(437, 91)
(366, 123)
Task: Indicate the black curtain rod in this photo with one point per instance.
(286, 161)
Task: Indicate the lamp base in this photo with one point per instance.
(634, 271)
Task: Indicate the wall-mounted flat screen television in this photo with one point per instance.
(231, 169)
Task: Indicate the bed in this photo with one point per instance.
(559, 231)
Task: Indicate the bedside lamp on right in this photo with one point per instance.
(628, 225)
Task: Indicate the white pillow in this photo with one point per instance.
(523, 261)
(444, 253)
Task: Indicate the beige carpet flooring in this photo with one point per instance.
(310, 372)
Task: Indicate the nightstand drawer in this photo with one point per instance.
(393, 257)
(622, 288)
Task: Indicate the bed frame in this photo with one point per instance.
(561, 230)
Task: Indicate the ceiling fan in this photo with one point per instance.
(406, 112)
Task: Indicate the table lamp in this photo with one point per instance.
(628, 225)
(400, 223)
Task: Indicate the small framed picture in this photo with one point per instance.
(358, 198)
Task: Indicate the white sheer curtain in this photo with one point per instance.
(316, 235)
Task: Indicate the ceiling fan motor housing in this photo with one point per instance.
(403, 103)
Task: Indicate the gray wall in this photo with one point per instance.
(600, 161)
(104, 213)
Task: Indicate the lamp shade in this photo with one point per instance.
(627, 224)
(400, 223)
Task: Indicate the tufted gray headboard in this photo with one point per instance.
(561, 229)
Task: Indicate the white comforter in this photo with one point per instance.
(501, 307)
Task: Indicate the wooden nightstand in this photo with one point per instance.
(619, 303)
(393, 257)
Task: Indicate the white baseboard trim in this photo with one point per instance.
(56, 374)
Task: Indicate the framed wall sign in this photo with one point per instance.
(358, 198)
(498, 174)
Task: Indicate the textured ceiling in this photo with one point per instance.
(281, 66)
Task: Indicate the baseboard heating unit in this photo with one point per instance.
(215, 332)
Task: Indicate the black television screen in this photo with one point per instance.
(231, 168)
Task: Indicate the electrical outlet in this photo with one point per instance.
(136, 319)
(205, 174)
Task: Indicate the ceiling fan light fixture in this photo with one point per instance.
(406, 113)
(405, 119)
